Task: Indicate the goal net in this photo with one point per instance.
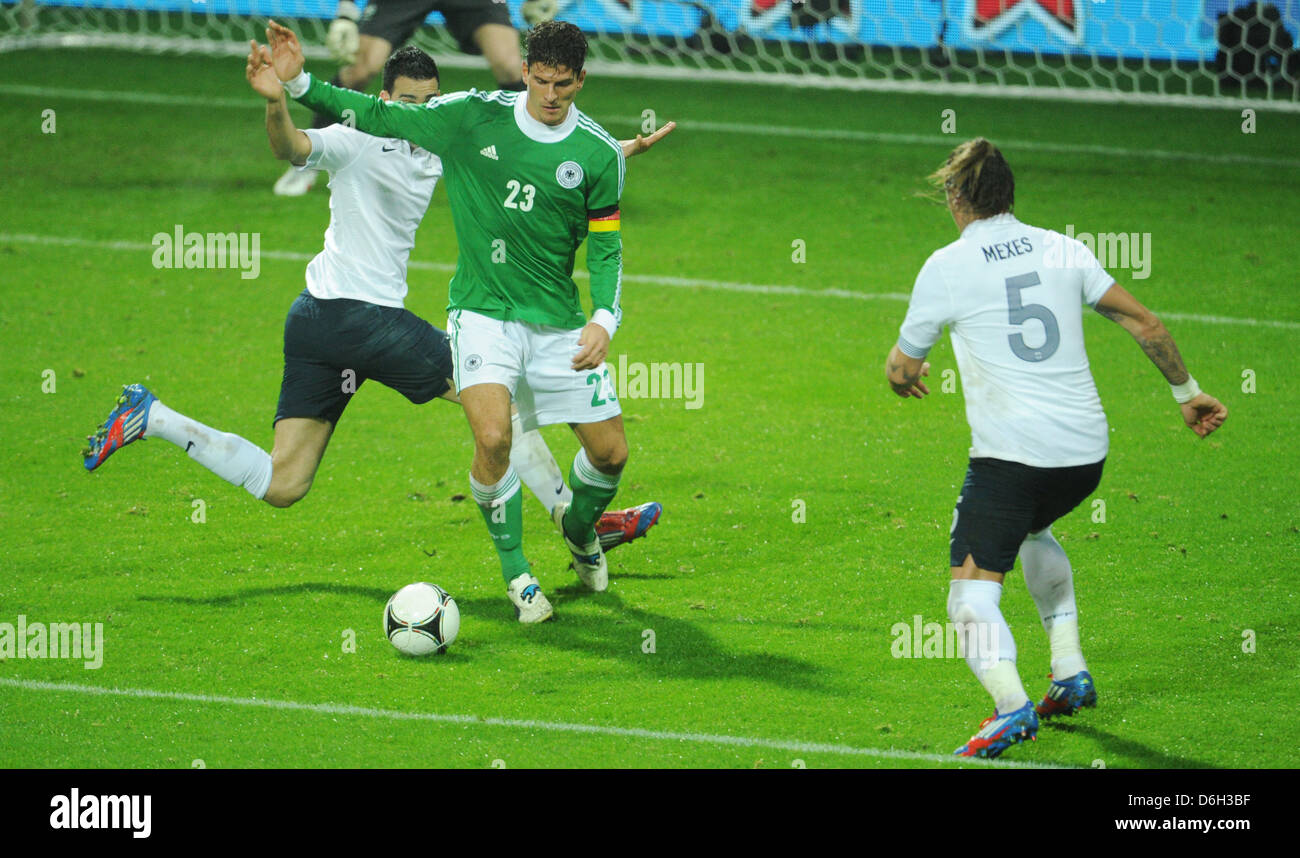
(1198, 52)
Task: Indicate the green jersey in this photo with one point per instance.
(523, 197)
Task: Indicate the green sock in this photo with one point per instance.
(592, 492)
(503, 509)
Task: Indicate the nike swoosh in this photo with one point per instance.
(386, 149)
(560, 490)
(188, 445)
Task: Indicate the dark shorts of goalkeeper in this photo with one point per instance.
(332, 346)
(395, 21)
(1002, 502)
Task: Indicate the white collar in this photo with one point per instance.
(989, 223)
(535, 129)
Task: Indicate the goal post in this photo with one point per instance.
(1210, 53)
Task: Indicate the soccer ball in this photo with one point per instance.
(421, 619)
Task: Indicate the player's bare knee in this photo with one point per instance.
(493, 444)
(284, 493)
(370, 60)
(284, 498)
(288, 485)
(356, 76)
(363, 70)
(609, 459)
(277, 500)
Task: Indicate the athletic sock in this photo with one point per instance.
(989, 647)
(234, 459)
(1050, 580)
(532, 460)
(503, 510)
(592, 492)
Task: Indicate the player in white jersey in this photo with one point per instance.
(349, 323)
(1012, 296)
(362, 40)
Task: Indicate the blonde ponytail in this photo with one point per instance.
(980, 176)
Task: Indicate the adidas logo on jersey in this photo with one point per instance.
(490, 152)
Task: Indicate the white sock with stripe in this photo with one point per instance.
(536, 466)
(1050, 580)
(234, 459)
(987, 642)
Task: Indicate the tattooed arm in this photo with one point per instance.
(1202, 413)
(1123, 309)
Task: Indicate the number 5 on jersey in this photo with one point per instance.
(516, 190)
(1019, 313)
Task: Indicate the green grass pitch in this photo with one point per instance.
(772, 635)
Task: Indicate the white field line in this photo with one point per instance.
(791, 746)
(939, 140)
(659, 280)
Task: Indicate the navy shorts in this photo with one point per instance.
(1003, 502)
(332, 346)
(395, 21)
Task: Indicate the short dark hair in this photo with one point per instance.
(556, 43)
(410, 62)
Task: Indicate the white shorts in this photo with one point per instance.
(535, 363)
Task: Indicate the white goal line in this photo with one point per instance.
(791, 746)
(888, 137)
(651, 279)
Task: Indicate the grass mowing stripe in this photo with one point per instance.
(939, 140)
(680, 282)
(523, 724)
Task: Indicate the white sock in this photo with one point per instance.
(1050, 580)
(495, 494)
(532, 460)
(990, 650)
(235, 460)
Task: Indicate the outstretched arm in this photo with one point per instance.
(422, 125)
(1201, 412)
(643, 144)
(287, 142)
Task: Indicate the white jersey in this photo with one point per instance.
(1012, 296)
(379, 191)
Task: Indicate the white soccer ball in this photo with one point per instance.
(421, 619)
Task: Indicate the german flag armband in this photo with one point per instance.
(603, 220)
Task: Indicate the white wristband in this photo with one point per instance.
(299, 85)
(348, 11)
(606, 320)
(1187, 391)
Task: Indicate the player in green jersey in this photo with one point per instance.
(529, 177)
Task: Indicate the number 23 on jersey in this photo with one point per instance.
(519, 196)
